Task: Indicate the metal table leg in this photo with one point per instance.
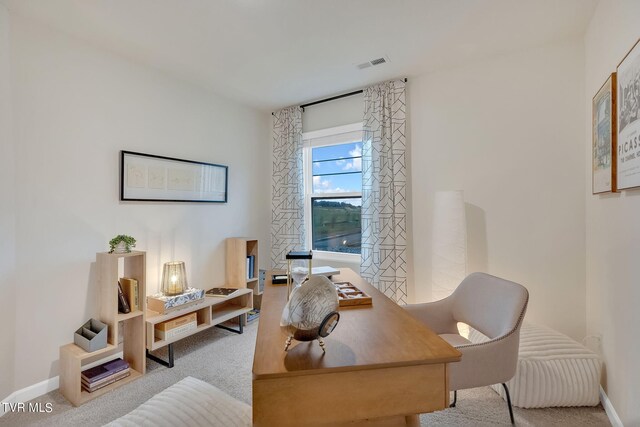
(169, 363)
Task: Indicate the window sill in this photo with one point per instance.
(336, 256)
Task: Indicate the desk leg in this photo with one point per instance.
(413, 420)
(237, 331)
(169, 363)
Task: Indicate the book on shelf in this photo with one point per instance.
(123, 305)
(251, 260)
(97, 383)
(253, 315)
(104, 370)
(221, 292)
(106, 381)
(130, 291)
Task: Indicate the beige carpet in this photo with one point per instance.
(224, 359)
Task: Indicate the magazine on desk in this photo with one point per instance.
(221, 292)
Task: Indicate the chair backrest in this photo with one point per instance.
(489, 304)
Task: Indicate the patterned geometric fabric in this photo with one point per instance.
(287, 203)
(384, 178)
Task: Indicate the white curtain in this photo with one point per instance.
(287, 202)
(384, 178)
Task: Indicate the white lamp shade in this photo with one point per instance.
(449, 251)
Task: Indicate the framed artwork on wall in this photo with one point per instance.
(604, 138)
(628, 103)
(146, 177)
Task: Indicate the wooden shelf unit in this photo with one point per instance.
(210, 311)
(73, 359)
(238, 249)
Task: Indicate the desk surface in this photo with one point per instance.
(366, 337)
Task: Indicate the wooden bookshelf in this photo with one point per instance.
(238, 249)
(73, 359)
(210, 311)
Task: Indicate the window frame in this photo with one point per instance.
(324, 138)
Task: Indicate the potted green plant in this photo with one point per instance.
(121, 244)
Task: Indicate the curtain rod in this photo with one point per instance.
(333, 98)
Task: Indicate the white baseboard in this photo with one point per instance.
(31, 392)
(609, 409)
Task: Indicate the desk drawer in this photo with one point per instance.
(338, 397)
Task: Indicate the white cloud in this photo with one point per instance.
(321, 185)
(356, 164)
(330, 190)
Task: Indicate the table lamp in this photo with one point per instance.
(174, 278)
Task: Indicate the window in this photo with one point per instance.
(333, 188)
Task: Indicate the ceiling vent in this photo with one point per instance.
(373, 62)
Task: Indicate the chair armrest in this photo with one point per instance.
(436, 315)
(490, 362)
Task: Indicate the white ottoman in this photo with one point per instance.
(190, 403)
(553, 370)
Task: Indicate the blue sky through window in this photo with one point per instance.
(337, 168)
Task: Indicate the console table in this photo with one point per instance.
(211, 311)
(381, 367)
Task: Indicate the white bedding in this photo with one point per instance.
(189, 403)
(553, 370)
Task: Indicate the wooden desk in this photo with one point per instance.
(382, 367)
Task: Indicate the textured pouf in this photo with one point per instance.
(189, 403)
(553, 370)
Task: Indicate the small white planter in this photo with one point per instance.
(121, 248)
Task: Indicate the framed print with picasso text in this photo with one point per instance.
(604, 134)
(146, 177)
(628, 95)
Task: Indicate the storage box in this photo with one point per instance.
(164, 304)
(177, 322)
(91, 336)
(180, 330)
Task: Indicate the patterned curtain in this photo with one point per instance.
(383, 258)
(287, 203)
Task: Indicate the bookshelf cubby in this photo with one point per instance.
(73, 359)
(238, 249)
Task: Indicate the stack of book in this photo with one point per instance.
(102, 375)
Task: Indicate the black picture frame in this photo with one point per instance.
(151, 178)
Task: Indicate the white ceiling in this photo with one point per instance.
(274, 53)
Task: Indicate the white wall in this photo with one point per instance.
(612, 228)
(7, 214)
(508, 131)
(75, 108)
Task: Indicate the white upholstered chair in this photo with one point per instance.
(491, 305)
